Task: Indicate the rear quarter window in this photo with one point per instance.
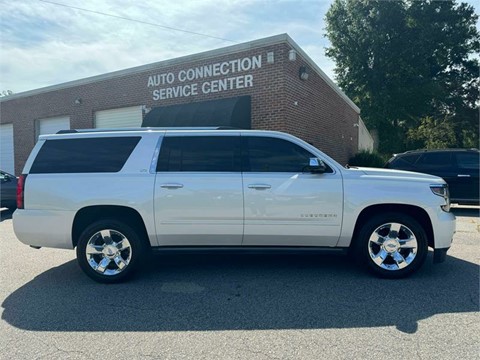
(92, 155)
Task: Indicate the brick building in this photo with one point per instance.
(264, 84)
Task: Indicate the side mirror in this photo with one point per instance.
(4, 178)
(317, 166)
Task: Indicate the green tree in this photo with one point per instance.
(404, 61)
(433, 134)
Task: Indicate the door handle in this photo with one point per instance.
(171, 186)
(259, 186)
(463, 175)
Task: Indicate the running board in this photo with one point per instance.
(248, 250)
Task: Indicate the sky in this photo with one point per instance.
(43, 44)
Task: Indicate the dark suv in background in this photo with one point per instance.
(8, 190)
(458, 167)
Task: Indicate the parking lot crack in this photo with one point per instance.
(59, 350)
(258, 352)
(149, 356)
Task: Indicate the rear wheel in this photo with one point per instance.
(109, 251)
(392, 245)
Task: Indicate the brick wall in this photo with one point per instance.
(317, 114)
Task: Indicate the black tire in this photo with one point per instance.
(121, 264)
(382, 259)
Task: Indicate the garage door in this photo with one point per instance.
(52, 125)
(119, 118)
(6, 148)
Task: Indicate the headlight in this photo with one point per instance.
(442, 190)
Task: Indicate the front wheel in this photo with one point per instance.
(109, 251)
(392, 245)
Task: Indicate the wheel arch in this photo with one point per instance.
(90, 214)
(419, 214)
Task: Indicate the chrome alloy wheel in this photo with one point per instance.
(392, 246)
(108, 252)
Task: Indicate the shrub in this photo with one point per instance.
(368, 159)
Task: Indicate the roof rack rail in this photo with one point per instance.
(73, 131)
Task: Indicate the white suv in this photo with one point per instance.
(117, 194)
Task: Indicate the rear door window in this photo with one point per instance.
(200, 154)
(90, 155)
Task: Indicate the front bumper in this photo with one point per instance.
(444, 227)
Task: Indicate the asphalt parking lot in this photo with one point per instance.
(240, 307)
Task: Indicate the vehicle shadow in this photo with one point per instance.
(466, 211)
(230, 292)
(6, 214)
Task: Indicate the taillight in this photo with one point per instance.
(20, 191)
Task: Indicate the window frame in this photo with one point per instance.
(241, 153)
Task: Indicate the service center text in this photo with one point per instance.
(229, 70)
